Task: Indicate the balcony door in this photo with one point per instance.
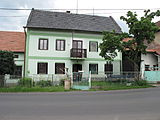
(77, 48)
(78, 44)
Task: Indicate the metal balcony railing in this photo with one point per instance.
(78, 53)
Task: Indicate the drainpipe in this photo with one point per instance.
(25, 51)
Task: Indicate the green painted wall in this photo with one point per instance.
(33, 55)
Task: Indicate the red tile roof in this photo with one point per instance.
(152, 47)
(12, 41)
(158, 23)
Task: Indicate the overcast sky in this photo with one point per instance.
(14, 20)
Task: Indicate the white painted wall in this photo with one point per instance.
(149, 59)
(20, 60)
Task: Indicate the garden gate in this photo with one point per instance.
(81, 80)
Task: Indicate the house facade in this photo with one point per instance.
(14, 42)
(59, 43)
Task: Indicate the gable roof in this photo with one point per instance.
(152, 47)
(12, 41)
(69, 21)
(158, 23)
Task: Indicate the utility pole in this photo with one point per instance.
(77, 7)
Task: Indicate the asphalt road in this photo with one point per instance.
(140, 104)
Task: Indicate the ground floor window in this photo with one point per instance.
(18, 71)
(93, 68)
(147, 67)
(59, 68)
(42, 68)
(108, 68)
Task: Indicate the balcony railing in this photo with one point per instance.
(78, 53)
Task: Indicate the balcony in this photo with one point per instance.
(77, 53)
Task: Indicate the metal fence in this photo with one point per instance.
(54, 80)
(110, 76)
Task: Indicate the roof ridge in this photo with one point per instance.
(69, 13)
(13, 31)
(71, 21)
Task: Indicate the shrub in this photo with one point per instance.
(25, 82)
(140, 82)
(43, 83)
(61, 83)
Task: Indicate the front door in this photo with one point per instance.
(77, 67)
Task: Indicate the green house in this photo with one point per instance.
(59, 42)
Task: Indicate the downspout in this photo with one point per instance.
(25, 52)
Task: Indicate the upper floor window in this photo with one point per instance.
(60, 45)
(78, 44)
(59, 68)
(42, 68)
(93, 68)
(43, 44)
(93, 46)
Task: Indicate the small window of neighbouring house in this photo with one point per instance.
(16, 56)
(60, 45)
(43, 44)
(59, 68)
(42, 68)
(147, 68)
(93, 68)
(93, 46)
(108, 68)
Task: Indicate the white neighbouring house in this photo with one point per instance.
(57, 42)
(14, 42)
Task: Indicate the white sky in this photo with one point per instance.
(17, 23)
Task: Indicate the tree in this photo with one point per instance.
(6, 65)
(6, 62)
(141, 31)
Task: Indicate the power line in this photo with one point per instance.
(13, 16)
(78, 9)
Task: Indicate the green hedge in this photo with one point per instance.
(43, 83)
(25, 82)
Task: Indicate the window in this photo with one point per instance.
(155, 67)
(60, 45)
(18, 71)
(108, 68)
(93, 68)
(93, 46)
(147, 67)
(43, 44)
(16, 56)
(78, 44)
(59, 68)
(42, 68)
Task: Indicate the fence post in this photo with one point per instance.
(89, 79)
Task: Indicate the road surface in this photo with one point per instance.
(139, 104)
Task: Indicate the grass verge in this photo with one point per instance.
(34, 89)
(101, 85)
(96, 86)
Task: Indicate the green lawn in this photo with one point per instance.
(34, 89)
